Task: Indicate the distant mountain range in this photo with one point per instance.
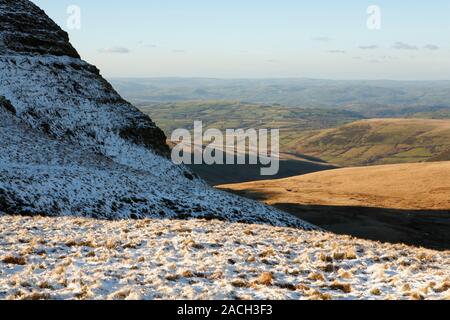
(370, 98)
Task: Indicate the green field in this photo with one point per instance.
(378, 141)
(222, 115)
(336, 136)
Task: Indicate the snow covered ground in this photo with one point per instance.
(81, 258)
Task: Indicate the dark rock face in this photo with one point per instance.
(31, 40)
(4, 103)
(26, 29)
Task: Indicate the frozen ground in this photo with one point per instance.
(80, 258)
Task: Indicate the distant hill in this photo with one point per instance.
(378, 141)
(234, 114)
(370, 98)
(397, 203)
(222, 115)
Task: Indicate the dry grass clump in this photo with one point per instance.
(240, 283)
(316, 276)
(132, 245)
(45, 285)
(267, 253)
(375, 291)
(111, 244)
(345, 274)
(325, 258)
(90, 254)
(443, 287)
(344, 287)
(329, 268)
(266, 279)
(194, 245)
(339, 255)
(416, 296)
(36, 296)
(249, 232)
(81, 243)
(349, 254)
(172, 277)
(12, 259)
(317, 295)
(83, 294)
(287, 286)
(120, 295)
(406, 287)
(187, 274)
(182, 230)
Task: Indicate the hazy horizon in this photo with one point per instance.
(272, 78)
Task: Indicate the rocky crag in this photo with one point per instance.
(70, 145)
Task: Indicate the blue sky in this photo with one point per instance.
(261, 39)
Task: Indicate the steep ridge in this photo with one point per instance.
(70, 145)
(25, 28)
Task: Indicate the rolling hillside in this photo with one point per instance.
(232, 114)
(377, 141)
(399, 203)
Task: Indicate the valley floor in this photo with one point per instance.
(76, 258)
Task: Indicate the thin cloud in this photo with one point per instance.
(388, 57)
(120, 50)
(336, 51)
(321, 39)
(372, 47)
(178, 51)
(404, 46)
(431, 47)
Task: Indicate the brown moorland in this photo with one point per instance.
(407, 203)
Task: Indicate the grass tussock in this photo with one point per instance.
(443, 287)
(36, 296)
(266, 279)
(240, 283)
(13, 259)
(344, 287)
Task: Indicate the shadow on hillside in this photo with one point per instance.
(425, 228)
(229, 174)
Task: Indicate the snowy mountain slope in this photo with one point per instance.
(74, 258)
(70, 145)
